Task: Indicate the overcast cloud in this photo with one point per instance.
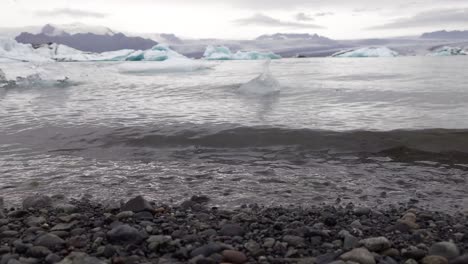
(76, 13)
(429, 18)
(267, 21)
(241, 19)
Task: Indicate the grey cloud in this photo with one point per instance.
(429, 18)
(303, 17)
(321, 14)
(77, 13)
(266, 21)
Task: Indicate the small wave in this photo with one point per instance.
(264, 84)
(430, 140)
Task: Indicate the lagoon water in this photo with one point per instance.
(369, 131)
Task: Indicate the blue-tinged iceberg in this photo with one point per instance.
(159, 52)
(224, 53)
(10, 50)
(449, 51)
(367, 52)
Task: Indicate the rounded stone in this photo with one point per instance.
(49, 241)
(234, 256)
(434, 260)
(359, 255)
(447, 250)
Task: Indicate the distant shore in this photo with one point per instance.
(51, 230)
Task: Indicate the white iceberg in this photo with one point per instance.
(264, 84)
(367, 53)
(449, 51)
(224, 53)
(10, 50)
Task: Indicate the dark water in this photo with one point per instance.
(371, 131)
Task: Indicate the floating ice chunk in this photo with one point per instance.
(449, 51)
(264, 84)
(167, 66)
(367, 52)
(159, 52)
(2, 76)
(224, 53)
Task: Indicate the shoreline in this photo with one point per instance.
(47, 230)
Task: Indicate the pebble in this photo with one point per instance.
(434, 260)
(81, 258)
(231, 230)
(125, 214)
(376, 244)
(49, 241)
(445, 249)
(234, 256)
(137, 204)
(359, 255)
(124, 234)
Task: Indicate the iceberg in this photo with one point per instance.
(264, 84)
(449, 51)
(366, 52)
(10, 50)
(224, 53)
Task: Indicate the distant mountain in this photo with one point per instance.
(86, 38)
(163, 38)
(289, 36)
(443, 34)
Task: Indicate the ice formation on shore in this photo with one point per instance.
(10, 50)
(264, 84)
(367, 52)
(449, 51)
(224, 53)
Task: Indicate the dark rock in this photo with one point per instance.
(208, 249)
(52, 258)
(234, 256)
(50, 241)
(254, 248)
(80, 258)
(9, 234)
(362, 211)
(144, 216)
(38, 252)
(137, 204)
(231, 230)
(37, 202)
(124, 234)
(460, 260)
(295, 241)
(413, 253)
(200, 199)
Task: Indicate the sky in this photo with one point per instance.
(246, 19)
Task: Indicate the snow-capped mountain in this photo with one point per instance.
(289, 36)
(85, 38)
(443, 34)
(75, 28)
